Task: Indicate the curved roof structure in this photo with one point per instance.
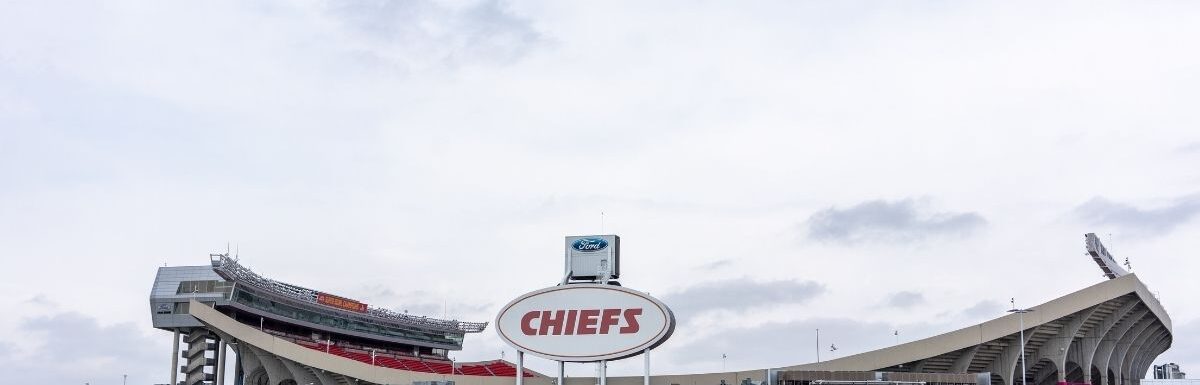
(1106, 334)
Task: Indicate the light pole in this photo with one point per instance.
(818, 345)
(1021, 314)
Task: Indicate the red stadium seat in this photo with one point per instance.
(497, 368)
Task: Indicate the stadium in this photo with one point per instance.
(284, 334)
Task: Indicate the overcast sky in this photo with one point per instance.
(772, 168)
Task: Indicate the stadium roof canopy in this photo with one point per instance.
(1106, 334)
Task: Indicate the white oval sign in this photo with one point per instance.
(585, 322)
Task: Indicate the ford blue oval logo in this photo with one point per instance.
(588, 245)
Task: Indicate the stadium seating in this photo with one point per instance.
(496, 368)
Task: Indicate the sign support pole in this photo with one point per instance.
(603, 372)
(520, 367)
(561, 368)
(646, 378)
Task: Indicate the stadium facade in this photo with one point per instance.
(283, 334)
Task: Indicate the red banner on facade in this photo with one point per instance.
(341, 303)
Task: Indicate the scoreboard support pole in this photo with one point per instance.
(603, 372)
(520, 367)
(646, 377)
(562, 367)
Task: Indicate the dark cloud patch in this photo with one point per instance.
(716, 265)
(739, 294)
(1136, 221)
(879, 221)
(905, 299)
(1190, 148)
(984, 309)
(401, 31)
(41, 300)
(84, 351)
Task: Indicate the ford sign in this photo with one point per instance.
(585, 323)
(588, 245)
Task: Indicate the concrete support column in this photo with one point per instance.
(1104, 351)
(1091, 343)
(963, 362)
(1006, 364)
(1136, 349)
(1150, 350)
(248, 361)
(1058, 347)
(1123, 345)
(175, 359)
(219, 372)
(238, 373)
(276, 372)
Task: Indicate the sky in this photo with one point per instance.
(773, 168)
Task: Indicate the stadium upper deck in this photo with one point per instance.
(321, 321)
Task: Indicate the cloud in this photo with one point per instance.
(905, 299)
(432, 33)
(75, 348)
(984, 309)
(739, 294)
(1138, 221)
(879, 220)
(41, 300)
(715, 264)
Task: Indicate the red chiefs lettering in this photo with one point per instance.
(586, 321)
